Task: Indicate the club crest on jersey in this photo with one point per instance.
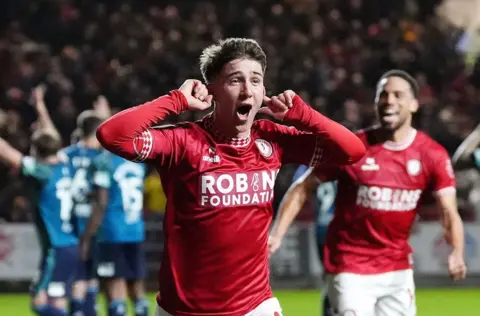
(413, 167)
(265, 147)
(370, 165)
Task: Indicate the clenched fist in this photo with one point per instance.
(196, 94)
(278, 106)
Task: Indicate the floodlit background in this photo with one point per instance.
(329, 51)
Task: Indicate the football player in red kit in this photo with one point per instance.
(367, 254)
(218, 175)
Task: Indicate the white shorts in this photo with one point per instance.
(385, 294)
(270, 307)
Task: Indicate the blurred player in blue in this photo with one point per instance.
(81, 155)
(47, 185)
(118, 216)
(323, 198)
(468, 153)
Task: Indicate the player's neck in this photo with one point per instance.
(50, 160)
(229, 130)
(90, 142)
(400, 135)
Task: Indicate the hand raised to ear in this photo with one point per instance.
(278, 106)
(196, 94)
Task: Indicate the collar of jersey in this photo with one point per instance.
(209, 124)
(398, 146)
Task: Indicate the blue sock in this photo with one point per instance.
(327, 309)
(48, 310)
(76, 306)
(141, 307)
(90, 306)
(117, 308)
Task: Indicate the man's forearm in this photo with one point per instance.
(45, 121)
(343, 145)
(9, 154)
(118, 133)
(454, 233)
(290, 206)
(96, 218)
(93, 224)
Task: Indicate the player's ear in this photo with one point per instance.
(414, 106)
(211, 90)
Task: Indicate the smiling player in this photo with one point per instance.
(367, 254)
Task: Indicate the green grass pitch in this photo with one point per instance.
(437, 302)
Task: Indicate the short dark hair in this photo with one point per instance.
(45, 143)
(405, 76)
(87, 123)
(215, 56)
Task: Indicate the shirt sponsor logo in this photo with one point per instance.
(237, 189)
(387, 199)
(212, 156)
(370, 165)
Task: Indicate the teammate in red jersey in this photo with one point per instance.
(367, 255)
(218, 175)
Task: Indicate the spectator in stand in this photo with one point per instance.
(132, 51)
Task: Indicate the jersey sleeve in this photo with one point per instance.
(30, 167)
(476, 157)
(327, 173)
(301, 170)
(298, 147)
(162, 145)
(100, 175)
(442, 175)
(306, 148)
(322, 140)
(131, 134)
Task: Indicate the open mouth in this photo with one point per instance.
(389, 116)
(244, 109)
(385, 114)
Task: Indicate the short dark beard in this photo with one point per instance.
(384, 133)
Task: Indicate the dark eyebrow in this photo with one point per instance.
(239, 73)
(394, 91)
(234, 73)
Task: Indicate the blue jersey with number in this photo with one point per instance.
(80, 160)
(123, 220)
(48, 186)
(323, 203)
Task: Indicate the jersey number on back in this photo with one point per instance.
(326, 193)
(132, 198)
(66, 204)
(130, 180)
(80, 185)
(80, 191)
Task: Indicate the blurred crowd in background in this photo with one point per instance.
(331, 52)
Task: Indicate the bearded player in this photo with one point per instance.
(218, 175)
(367, 255)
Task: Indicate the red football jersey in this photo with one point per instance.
(377, 200)
(219, 196)
(219, 210)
